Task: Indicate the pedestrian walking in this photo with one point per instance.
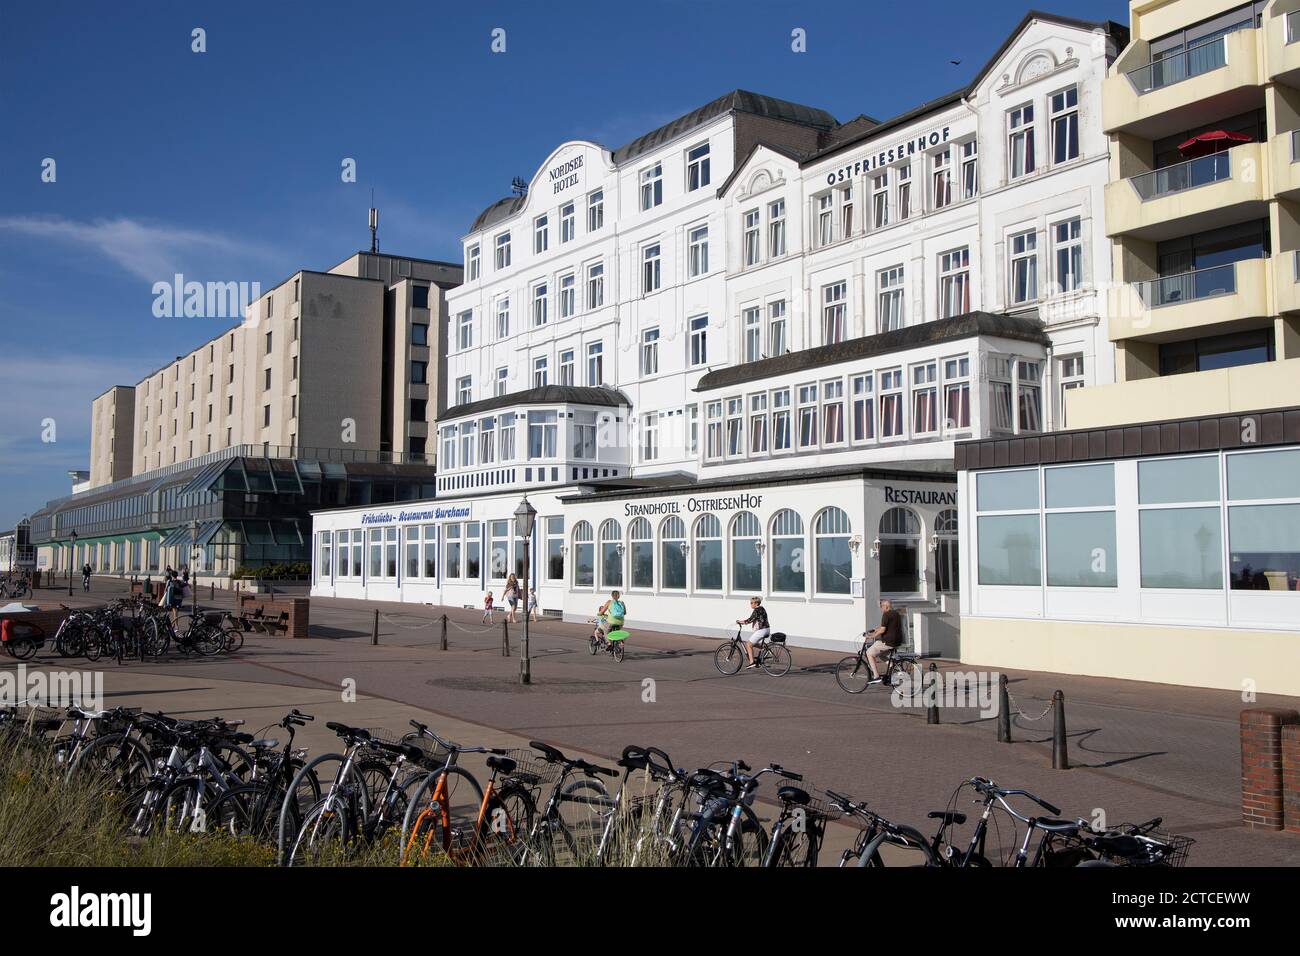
(488, 607)
(512, 596)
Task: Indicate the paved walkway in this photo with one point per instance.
(1138, 750)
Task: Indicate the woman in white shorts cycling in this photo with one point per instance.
(762, 628)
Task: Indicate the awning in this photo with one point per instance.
(176, 537)
(1212, 142)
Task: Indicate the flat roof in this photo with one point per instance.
(1018, 327)
(1175, 436)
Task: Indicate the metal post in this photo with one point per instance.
(505, 638)
(1060, 757)
(374, 629)
(1004, 711)
(525, 664)
(443, 641)
(212, 590)
(932, 711)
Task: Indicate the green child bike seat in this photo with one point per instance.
(619, 635)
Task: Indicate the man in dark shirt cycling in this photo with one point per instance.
(889, 635)
(758, 618)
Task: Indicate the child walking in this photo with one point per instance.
(488, 607)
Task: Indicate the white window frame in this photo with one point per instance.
(652, 186)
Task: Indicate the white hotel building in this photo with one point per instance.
(733, 356)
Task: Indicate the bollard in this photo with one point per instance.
(443, 641)
(932, 711)
(1004, 711)
(505, 639)
(1060, 758)
(374, 630)
(212, 590)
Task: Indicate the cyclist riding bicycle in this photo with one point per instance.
(762, 627)
(610, 615)
(889, 636)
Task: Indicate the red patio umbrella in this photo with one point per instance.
(1214, 141)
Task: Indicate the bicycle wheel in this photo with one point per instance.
(595, 646)
(114, 762)
(905, 676)
(234, 639)
(728, 658)
(184, 807)
(776, 660)
(23, 648)
(247, 812)
(853, 674)
(442, 815)
(507, 823)
(324, 834)
(583, 806)
(617, 651)
(796, 849)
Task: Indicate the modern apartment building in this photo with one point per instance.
(1159, 538)
(752, 337)
(324, 394)
(112, 427)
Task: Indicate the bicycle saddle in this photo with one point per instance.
(949, 817)
(793, 795)
(1054, 826)
(502, 765)
(1119, 844)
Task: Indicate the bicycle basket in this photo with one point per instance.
(1164, 849)
(435, 754)
(530, 771)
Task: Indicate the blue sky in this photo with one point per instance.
(225, 165)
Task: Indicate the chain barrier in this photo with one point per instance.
(466, 629)
(1023, 716)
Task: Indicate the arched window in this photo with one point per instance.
(611, 560)
(900, 550)
(708, 553)
(834, 560)
(746, 561)
(584, 556)
(642, 566)
(945, 551)
(788, 553)
(672, 541)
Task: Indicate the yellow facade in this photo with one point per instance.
(1267, 662)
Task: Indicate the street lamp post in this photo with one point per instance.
(194, 575)
(72, 558)
(525, 518)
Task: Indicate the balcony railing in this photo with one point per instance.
(1188, 286)
(1183, 176)
(1193, 61)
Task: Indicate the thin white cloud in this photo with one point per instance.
(147, 251)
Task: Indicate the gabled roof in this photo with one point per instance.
(737, 101)
(1118, 31)
(913, 336)
(546, 395)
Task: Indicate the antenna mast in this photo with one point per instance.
(374, 224)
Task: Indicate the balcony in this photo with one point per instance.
(1192, 196)
(1219, 77)
(1282, 48)
(1285, 151)
(1220, 391)
(1202, 299)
